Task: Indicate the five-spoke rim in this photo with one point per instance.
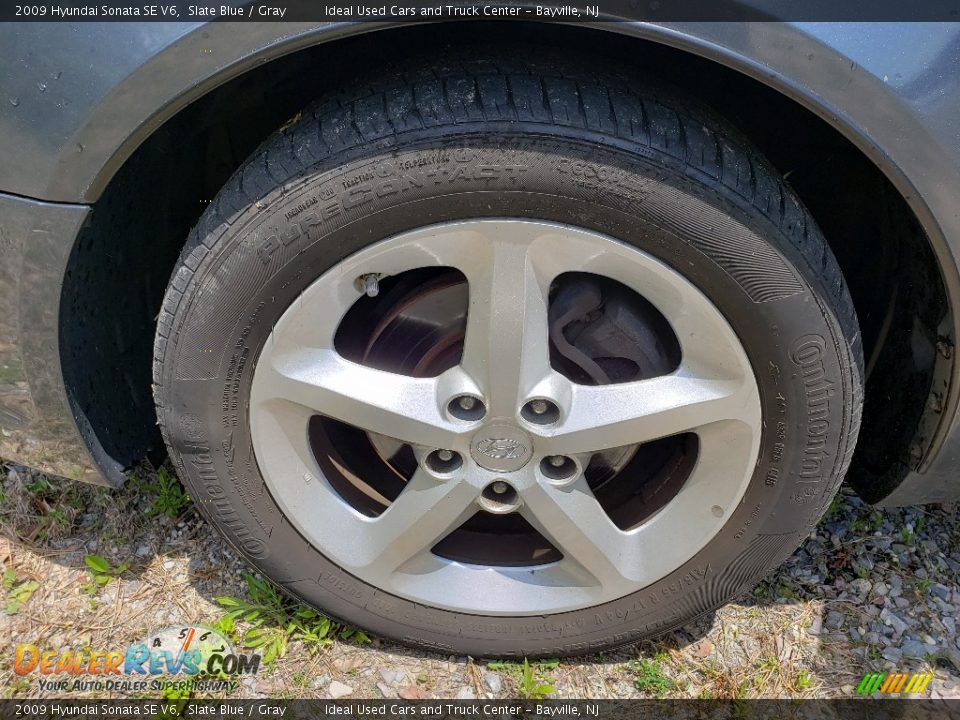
(505, 369)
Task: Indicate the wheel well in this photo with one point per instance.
(120, 265)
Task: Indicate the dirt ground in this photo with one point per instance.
(86, 567)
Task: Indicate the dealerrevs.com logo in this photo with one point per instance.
(172, 657)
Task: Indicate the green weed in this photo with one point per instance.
(170, 499)
(649, 677)
(101, 572)
(274, 620)
(533, 682)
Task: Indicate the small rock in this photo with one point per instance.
(893, 655)
(703, 648)
(386, 691)
(413, 693)
(338, 690)
(953, 656)
(861, 586)
(464, 693)
(893, 621)
(916, 649)
(941, 591)
(347, 663)
(492, 681)
(881, 588)
(391, 677)
(834, 619)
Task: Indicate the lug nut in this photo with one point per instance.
(559, 468)
(540, 411)
(466, 407)
(443, 461)
(499, 498)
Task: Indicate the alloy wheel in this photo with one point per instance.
(495, 424)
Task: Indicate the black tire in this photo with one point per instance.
(535, 136)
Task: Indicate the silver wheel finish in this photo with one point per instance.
(509, 266)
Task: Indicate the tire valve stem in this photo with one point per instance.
(371, 284)
(557, 460)
(500, 487)
(445, 455)
(539, 406)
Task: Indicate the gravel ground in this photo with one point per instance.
(869, 591)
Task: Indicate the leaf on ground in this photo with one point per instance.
(97, 563)
(20, 594)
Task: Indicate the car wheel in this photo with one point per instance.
(532, 359)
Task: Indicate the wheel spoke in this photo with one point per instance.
(397, 406)
(425, 511)
(572, 519)
(607, 416)
(505, 349)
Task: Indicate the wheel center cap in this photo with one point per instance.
(501, 448)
